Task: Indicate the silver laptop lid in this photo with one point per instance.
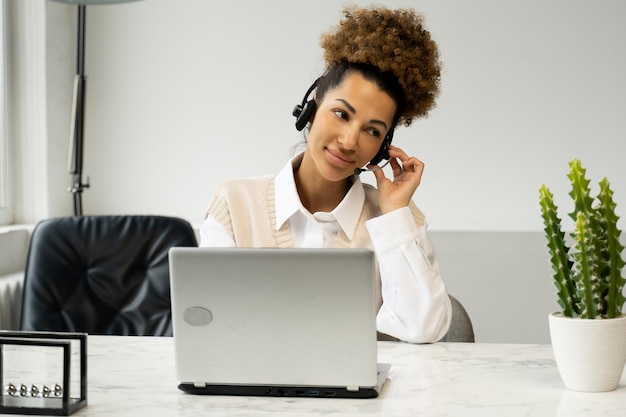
(274, 316)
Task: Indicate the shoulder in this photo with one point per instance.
(239, 193)
(242, 186)
(371, 194)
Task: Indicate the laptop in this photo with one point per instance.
(275, 322)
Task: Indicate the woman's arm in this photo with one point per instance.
(416, 307)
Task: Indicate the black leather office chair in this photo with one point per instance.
(461, 329)
(102, 274)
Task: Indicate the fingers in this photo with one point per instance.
(413, 164)
(405, 168)
(397, 191)
(395, 167)
(379, 174)
(401, 162)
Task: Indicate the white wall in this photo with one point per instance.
(183, 95)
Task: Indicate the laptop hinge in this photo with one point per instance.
(352, 389)
(199, 384)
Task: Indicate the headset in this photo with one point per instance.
(305, 111)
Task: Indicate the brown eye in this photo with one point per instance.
(374, 132)
(341, 114)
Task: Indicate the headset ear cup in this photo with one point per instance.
(306, 114)
(383, 152)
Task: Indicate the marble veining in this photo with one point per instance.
(130, 376)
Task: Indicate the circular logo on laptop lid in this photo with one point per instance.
(197, 316)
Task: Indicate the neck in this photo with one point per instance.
(316, 193)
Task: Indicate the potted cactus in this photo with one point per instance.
(587, 272)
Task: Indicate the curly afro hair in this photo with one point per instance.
(393, 41)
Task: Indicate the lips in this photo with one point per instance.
(338, 158)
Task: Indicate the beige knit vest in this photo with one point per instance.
(246, 208)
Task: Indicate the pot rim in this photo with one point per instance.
(559, 316)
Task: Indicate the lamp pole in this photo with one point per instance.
(77, 127)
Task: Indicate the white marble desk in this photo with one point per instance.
(131, 376)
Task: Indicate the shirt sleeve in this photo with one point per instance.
(416, 307)
(214, 234)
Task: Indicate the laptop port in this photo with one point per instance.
(314, 392)
(329, 393)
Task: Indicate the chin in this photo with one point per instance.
(338, 176)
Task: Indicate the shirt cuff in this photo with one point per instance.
(393, 229)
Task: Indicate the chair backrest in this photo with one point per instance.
(102, 274)
(461, 329)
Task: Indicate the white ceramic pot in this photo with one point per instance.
(590, 354)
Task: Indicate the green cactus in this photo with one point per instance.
(558, 250)
(612, 250)
(588, 275)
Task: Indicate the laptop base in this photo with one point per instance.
(290, 391)
(274, 391)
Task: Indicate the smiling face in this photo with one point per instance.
(350, 124)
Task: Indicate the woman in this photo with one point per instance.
(382, 71)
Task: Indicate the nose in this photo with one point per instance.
(349, 138)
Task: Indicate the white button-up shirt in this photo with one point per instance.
(416, 307)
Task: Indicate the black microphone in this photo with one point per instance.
(358, 171)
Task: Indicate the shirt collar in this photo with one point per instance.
(288, 201)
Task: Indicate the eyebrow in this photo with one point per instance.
(353, 111)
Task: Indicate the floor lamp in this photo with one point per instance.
(77, 127)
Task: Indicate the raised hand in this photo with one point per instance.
(407, 174)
